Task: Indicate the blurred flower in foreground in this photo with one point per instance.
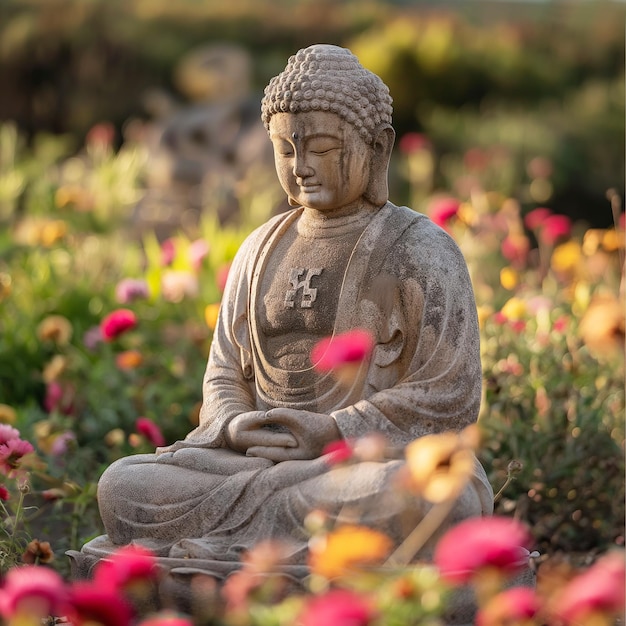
(38, 552)
(347, 548)
(479, 544)
(338, 607)
(338, 451)
(117, 323)
(211, 312)
(443, 210)
(91, 604)
(166, 619)
(31, 592)
(150, 431)
(129, 289)
(596, 596)
(602, 327)
(55, 328)
(441, 465)
(513, 607)
(126, 566)
(343, 354)
(555, 227)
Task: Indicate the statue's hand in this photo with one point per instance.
(311, 432)
(253, 430)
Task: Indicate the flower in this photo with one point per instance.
(59, 397)
(7, 433)
(443, 210)
(413, 142)
(56, 329)
(198, 250)
(168, 252)
(338, 451)
(515, 248)
(338, 607)
(150, 431)
(117, 323)
(54, 368)
(211, 312)
(129, 289)
(602, 327)
(92, 337)
(93, 604)
(535, 218)
(129, 359)
(129, 564)
(101, 135)
(222, 276)
(514, 309)
(342, 354)
(440, 465)
(166, 619)
(11, 453)
(4, 493)
(513, 606)
(59, 443)
(481, 543)
(347, 548)
(34, 591)
(7, 414)
(555, 227)
(179, 284)
(509, 278)
(566, 257)
(38, 552)
(600, 589)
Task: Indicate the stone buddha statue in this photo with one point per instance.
(343, 257)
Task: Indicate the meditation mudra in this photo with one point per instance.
(343, 258)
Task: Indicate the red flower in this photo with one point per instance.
(535, 218)
(413, 142)
(351, 347)
(338, 451)
(555, 227)
(38, 591)
(479, 543)
(11, 453)
(442, 210)
(339, 607)
(509, 607)
(116, 323)
(91, 604)
(150, 431)
(127, 565)
(598, 590)
(4, 493)
(515, 249)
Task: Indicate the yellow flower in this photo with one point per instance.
(55, 328)
(566, 257)
(509, 278)
(210, 314)
(612, 240)
(485, 311)
(115, 437)
(441, 465)
(514, 309)
(7, 414)
(602, 327)
(347, 548)
(52, 231)
(54, 368)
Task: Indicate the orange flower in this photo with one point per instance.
(55, 328)
(210, 314)
(38, 552)
(441, 465)
(602, 327)
(129, 359)
(347, 548)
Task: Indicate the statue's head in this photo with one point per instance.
(329, 80)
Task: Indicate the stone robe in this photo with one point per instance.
(199, 504)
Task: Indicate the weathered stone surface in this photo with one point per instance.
(345, 257)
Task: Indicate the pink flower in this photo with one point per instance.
(59, 445)
(443, 210)
(127, 565)
(413, 142)
(338, 607)
(101, 135)
(222, 276)
(116, 323)
(476, 159)
(34, 590)
(166, 619)
(198, 250)
(598, 590)
(515, 249)
(479, 543)
(338, 451)
(535, 218)
(555, 227)
(7, 433)
(4, 493)
(102, 605)
(12, 452)
(176, 285)
(168, 252)
(92, 337)
(509, 607)
(560, 324)
(150, 431)
(59, 397)
(351, 347)
(130, 289)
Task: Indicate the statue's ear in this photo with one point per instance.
(378, 189)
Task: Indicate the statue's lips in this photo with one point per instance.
(309, 188)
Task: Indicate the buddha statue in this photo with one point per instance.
(344, 257)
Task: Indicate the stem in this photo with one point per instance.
(415, 541)
(507, 482)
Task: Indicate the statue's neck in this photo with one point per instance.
(315, 223)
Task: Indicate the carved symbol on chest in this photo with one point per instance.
(297, 282)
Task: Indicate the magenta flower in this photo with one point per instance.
(130, 289)
(338, 451)
(515, 249)
(555, 227)
(129, 564)
(116, 323)
(60, 443)
(150, 431)
(351, 347)
(94, 604)
(59, 397)
(32, 590)
(11, 453)
(512, 606)
(198, 250)
(600, 589)
(413, 142)
(535, 218)
(443, 210)
(7, 433)
(4, 493)
(479, 543)
(338, 607)
(166, 619)
(168, 252)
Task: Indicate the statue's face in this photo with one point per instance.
(321, 160)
